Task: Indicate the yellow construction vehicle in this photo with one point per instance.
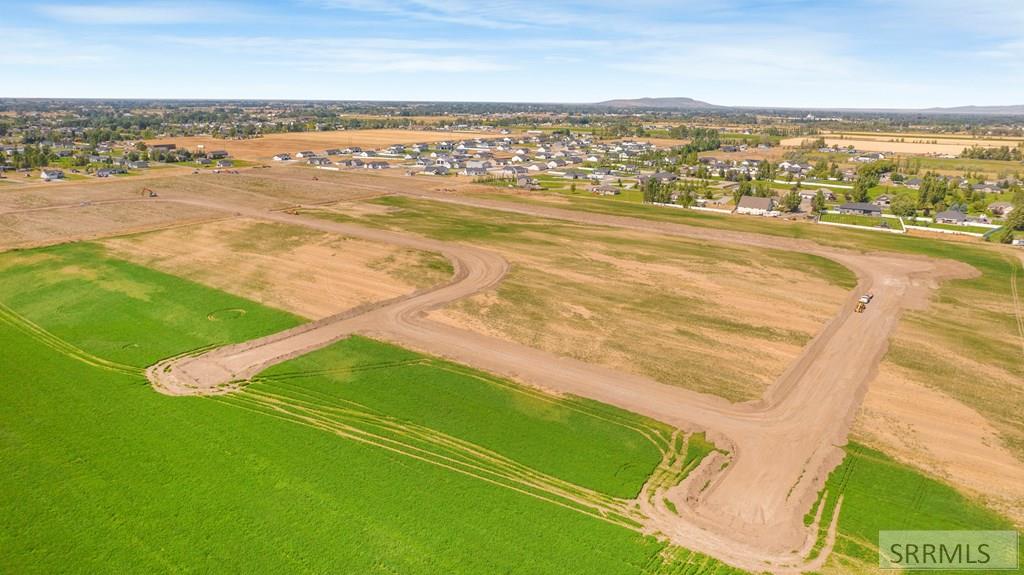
(860, 307)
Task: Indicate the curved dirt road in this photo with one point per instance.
(781, 447)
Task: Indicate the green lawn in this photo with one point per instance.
(954, 227)
(329, 464)
(864, 221)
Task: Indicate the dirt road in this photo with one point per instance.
(781, 448)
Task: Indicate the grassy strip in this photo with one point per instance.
(864, 221)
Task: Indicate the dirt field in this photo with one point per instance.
(312, 274)
(263, 149)
(909, 144)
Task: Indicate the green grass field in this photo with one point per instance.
(881, 494)
(362, 458)
(863, 221)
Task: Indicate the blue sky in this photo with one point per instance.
(858, 53)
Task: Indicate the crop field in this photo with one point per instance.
(361, 451)
(617, 298)
(971, 328)
(863, 221)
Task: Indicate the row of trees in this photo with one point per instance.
(1004, 153)
(31, 157)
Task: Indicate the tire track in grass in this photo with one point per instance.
(33, 330)
(455, 455)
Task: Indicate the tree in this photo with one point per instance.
(862, 187)
(903, 206)
(818, 203)
(791, 201)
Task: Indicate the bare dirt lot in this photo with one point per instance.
(312, 274)
(264, 148)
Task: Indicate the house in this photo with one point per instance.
(951, 217)
(333, 152)
(606, 190)
(1000, 208)
(48, 175)
(435, 171)
(162, 147)
(225, 163)
(316, 161)
(203, 161)
(755, 206)
(869, 157)
(467, 171)
(217, 154)
(860, 209)
(138, 165)
(107, 172)
(987, 188)
(913, 183)
(574, 174)
(811, 194)
(882, 201)
(305, 154)
(282, 157)
(536, 167)
(377, 165)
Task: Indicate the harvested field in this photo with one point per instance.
(904, 144)
(264, 148)
(309, 273)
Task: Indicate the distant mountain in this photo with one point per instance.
(989, 110)
(657, 104)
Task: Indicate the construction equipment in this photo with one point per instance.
(148, 193)
(861, 306)
(866, 298)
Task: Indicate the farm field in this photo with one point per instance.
(934, 353)
(264, 148)
(275, 469)
(618, 298)
(908, 144)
